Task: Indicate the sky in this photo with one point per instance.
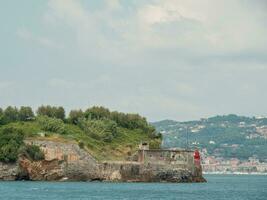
(165, 59)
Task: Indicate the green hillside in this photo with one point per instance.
(105, 134)
(223, 136)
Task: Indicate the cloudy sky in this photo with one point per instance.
(175, 59)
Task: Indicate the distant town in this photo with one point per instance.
(220, 165)
(228, 143)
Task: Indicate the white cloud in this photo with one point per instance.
(69, 10)
(43, 41)
(170, 11)
(152, 14)
(205, 27)
(113, 4)
(179, 58)
(222, 26)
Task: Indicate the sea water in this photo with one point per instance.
(221, 187)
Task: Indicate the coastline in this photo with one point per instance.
(234, 173)
(68, 162)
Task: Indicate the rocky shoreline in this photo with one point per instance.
(68, 162)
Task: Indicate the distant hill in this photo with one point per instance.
(225, 136)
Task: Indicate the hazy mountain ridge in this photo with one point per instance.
(228, 136)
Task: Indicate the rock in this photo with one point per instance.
(8, 172)
(41, 170)
(67, 162)
(115, 176)
(174, 176)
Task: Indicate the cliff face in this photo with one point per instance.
(63, 161)
(8, 171)
(66, 161)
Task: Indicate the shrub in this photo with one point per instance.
(11, 114)
(51, 124)
(155, 144)
(51, 111)
(11, 140)
(104, 130)
(81, 144)
(25, 113)
(32, 152)
(153, 134)
(75, 115)
(97, 113)
(1, 117)
(130, 121)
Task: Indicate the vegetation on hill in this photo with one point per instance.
(223, 136)
(12, 145)
(11, 141)
(105, 134)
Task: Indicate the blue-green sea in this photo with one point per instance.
(221, 187)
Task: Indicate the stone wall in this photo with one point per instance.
(174, 158)
(138, 172)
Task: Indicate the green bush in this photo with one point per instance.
(130, 121)
(32, 152)
(153, 134)
(74, 116)
(11, 140)
(104, 130)
(11, 114)
(96, 113)
(155, 144)
(81, 144)
(25, 113)
(51, 124)
(51, 111)
(1, 117)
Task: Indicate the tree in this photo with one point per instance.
(11, 114)
(11, 139)
(25, 113)
(1, 117)
(131, 121)
(97, 112)
(135, 121)
(59, 112)
(45, 111)
(54, 112)
(75, 115)
(12, 145)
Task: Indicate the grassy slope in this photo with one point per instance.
(123, 145)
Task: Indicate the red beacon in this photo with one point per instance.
(197, 158)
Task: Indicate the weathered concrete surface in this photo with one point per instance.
(138, 172)
(66, 161)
